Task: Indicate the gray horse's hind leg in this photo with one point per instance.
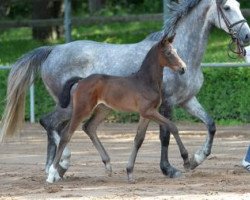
(90, 128)
(139, 138)
(54, 123)
(166, 168)
(51, 145)
(195, 109)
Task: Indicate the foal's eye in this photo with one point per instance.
(227, 8)
(168, 53)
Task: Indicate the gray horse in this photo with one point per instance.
(59, 63)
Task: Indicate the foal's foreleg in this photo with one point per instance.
(139, 138)
(90, 128)
(156, 116)
(65, 158)
(195, 108)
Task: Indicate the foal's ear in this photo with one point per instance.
(171, 38)
(163, 40)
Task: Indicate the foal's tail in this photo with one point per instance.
(21, 76)
(64, 98)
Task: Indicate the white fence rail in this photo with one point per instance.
(32, 87)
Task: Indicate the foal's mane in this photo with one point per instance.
(177, 12)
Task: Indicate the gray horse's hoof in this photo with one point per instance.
(53, 175)
(193, 163)
(171, 172)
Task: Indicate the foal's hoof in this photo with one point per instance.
(108, 172)
(61, 171)
(187, 165)
(171, 172)
(108, 168)
(131, 179)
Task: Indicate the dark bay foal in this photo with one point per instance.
(139, 92)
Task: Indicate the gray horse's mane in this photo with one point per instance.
(177, 12)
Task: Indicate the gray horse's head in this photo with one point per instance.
(226, 15)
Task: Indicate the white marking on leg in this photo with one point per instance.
(65, 163)
(65, 159)
(199, 157)
(56, 137)
(66, 153)
(53, 175)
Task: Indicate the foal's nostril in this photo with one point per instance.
(182, 71)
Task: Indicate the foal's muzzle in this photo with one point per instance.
(183, 68)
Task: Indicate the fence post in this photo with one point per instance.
(32, 103)
(67, 20)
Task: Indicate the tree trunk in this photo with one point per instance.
(96, 5)
(4, 7)
(46, 9)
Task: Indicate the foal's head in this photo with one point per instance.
(168, 56)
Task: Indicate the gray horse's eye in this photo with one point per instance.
(226, 8)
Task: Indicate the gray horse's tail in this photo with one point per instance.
(64, 98)
(21, 76)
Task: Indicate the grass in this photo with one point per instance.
(219, 94)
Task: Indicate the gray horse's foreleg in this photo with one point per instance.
(54, 173)
(53, 123)
(195, 109)
(90, 128)
(139, 138)
(166, 168)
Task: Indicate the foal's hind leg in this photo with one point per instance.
(79, 114)
(90, 127)
(139, 138)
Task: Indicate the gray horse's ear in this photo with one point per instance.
(171, 38)
(222, 2)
